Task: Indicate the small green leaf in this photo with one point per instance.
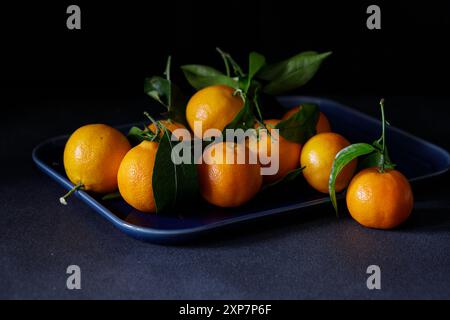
(377, 159)
(374, 159)
(301, 125)
(112, 196)
(159, 89)
(344, 157)
(290, 176)
(291, 73)
(137, 135)
(169, 95)
(173, 184)
(256, 62)
(200, 76)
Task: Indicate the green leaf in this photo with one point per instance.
(112, 196)
(173, 184)
(301, 125)
(290, 176)
(376, 159)
(291, 73)
(344, 157)
(158, 88)
(200, 76)
(169, 95)
(256, 62)
(137, 135)
(245, 119)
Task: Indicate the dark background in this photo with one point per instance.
(53, 80)
(121, 42)
(52, 74)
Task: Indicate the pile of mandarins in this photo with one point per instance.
(100, 159)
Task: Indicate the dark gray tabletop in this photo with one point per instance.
(310, 254)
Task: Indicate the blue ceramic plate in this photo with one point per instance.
(416, 158)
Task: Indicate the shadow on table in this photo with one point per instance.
(431, 214)
(431, 206)
(429, 217)
(267, 229)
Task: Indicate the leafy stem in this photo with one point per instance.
(383, 142)
(225, 61)
(256, 103)
(155, 123)
(384, 161)
(376, 156)
(168, 64)
(163, 90)
(167, 73)
(229, 60)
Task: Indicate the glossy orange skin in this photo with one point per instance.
(135, 176)
(379, 200)
(92, 157)
(323, 125)
(228, 185)
(317, 157)
(214, 106)
(288, 152)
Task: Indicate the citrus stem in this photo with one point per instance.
(383, 145)
(240, 93)
(167, 71)
(258, 109)
(155, 123)
(68, 194)
(227, 58)
(225, 61)
(237, 69)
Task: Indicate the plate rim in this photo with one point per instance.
(155, 233)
